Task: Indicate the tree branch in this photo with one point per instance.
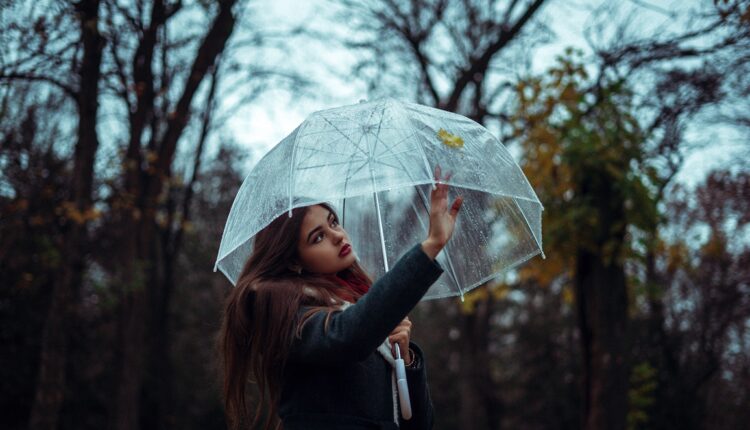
(480, 66)
(70, 91)
(211, 47)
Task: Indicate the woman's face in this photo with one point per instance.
(321, 241)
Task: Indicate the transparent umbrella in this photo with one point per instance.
(375, 163)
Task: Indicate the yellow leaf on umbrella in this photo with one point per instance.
(450, 139)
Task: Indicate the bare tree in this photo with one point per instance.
(146, 64)
(678, 76)
(53, 48)
(158, 82)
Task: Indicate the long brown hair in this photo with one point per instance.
(260, 316)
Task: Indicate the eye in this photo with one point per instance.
(318, 237)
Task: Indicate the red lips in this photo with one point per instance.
(345, 250)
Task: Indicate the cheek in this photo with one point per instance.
(319, 256)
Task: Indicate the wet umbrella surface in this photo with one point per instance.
(374, 161)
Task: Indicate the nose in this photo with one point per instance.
(338, 236)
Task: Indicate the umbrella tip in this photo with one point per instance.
(462, 298)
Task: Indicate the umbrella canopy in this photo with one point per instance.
(374, 162)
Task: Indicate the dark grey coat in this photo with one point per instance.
(337, 380)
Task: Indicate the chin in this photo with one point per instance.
(348, 261)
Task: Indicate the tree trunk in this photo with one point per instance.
(144, 294)
(480, 408)
(159, 409)
(51, 377)
(50, 386)
(602, 321)
(601, 293)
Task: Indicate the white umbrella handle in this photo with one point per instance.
(403, 388)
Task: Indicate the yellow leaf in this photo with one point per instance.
(450, 139)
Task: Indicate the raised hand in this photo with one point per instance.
(442, 218)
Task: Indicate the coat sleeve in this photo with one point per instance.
(419, 394)
(357, 331)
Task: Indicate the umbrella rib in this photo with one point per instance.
(397, 143)
(325, 165)
(323, 150)
(380, 224)
(386, 164)
(349, 174)
(345, 136)
(377, 134)
(390, 148)
(528, 226)
(314, 150)
(426, 164)
(291, 168)
(312, 133)
(342, 132)
(377, 202)
(380, 157)
(355, 172)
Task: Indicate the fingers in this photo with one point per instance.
(456, 206)
(403, 328)
(401, 335)
(403, 344)
(441, 189)
(439, 195)
(404, 324)
(438, 172)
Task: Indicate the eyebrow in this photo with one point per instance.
(330, 214)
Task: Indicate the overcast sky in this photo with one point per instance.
(268, 120)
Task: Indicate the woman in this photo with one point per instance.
(308, 326)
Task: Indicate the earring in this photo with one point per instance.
(296, 269)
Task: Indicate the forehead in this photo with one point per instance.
(314, 217)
